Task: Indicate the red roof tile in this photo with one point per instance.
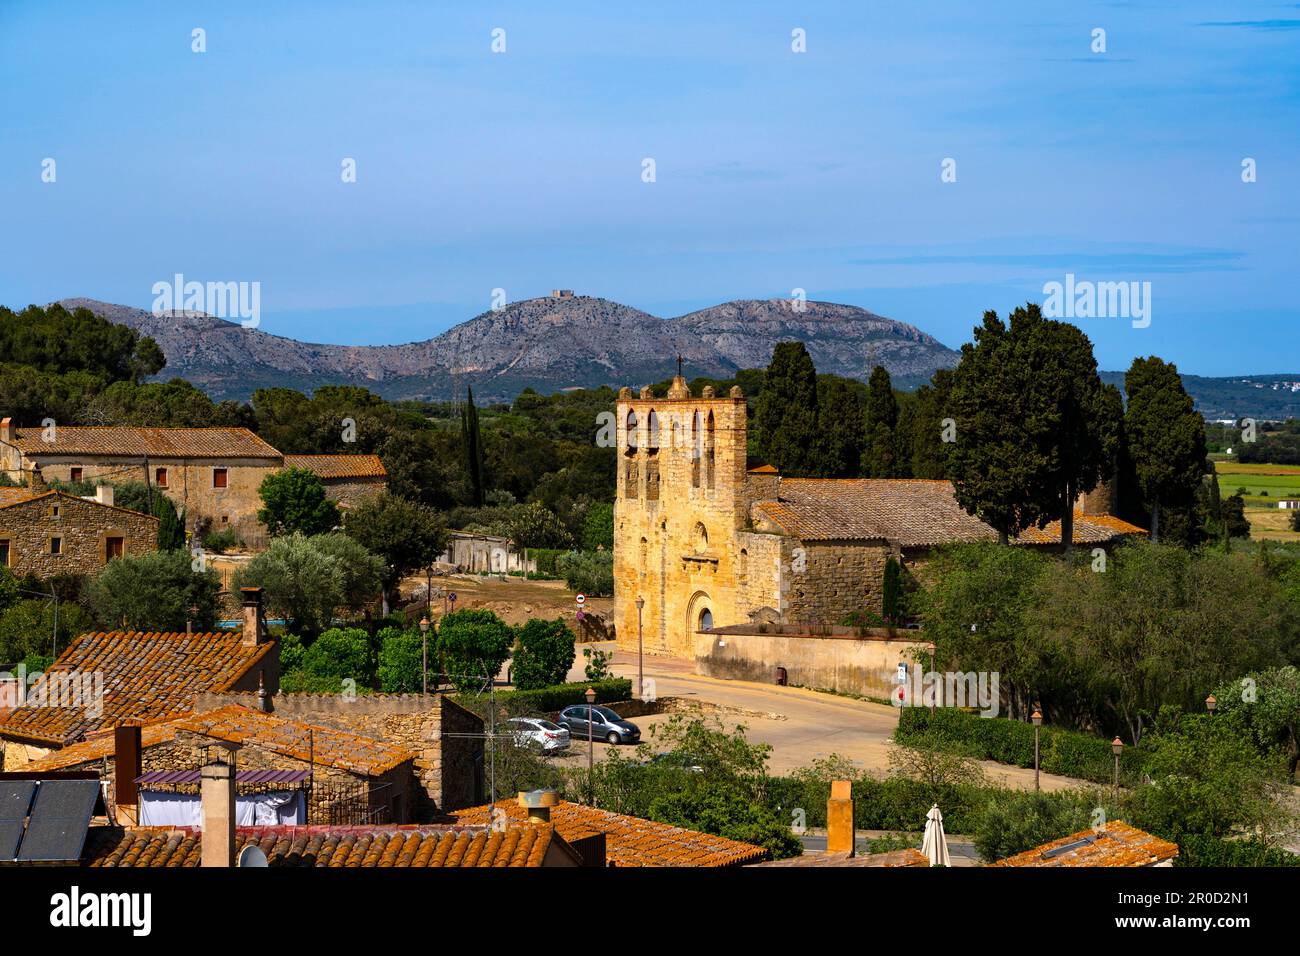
(1115, 844)
(632, 841)
(137, 442)
(339, 466)
(145, 676)
(334, 847)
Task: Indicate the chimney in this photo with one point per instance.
(839, 819)
(217, 795)
(538, 803)
(7, 431)
(128, 760)
(104, 494)
(263, 698)
(35, 480)
(254, 619)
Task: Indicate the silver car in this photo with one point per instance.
(539, 733)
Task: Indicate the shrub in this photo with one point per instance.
(401, 660)
(1012, 821)
(1202, 850)
(547, 700)
(591, 572)
(340, 653)
(543, 654)
(472, 646)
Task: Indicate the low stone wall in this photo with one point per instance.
(844, 662)
(446, 738)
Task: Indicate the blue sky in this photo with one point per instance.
(775, 170)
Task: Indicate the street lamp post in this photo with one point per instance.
(1038, 722)
(640, 658)
(424, 654)
(591, 699)
(1117, 748)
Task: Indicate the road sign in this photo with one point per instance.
(451, 596)
(579, 614)
(581, 599)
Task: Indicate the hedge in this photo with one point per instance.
(545, 558)
(1202, 850)
(547, 700)
(894, 803)
(1064, 752)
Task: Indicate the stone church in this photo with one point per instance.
(708, 539)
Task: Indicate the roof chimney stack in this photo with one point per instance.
(35, 480)
(254, 620)
(104, 494)
(128, 764)
(217, 797)
(7, 431)
(538, 803)
(840, 835)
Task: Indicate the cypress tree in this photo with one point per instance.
(786, 412)
(929, 450)
(881, 459)
(840, 428)
(171, 528)
(1165, 435)
(472, 440)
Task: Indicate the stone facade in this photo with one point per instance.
(445, 737)
(55, 533)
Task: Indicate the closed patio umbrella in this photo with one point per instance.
(935, 845)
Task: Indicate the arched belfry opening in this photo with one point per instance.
(631, 466)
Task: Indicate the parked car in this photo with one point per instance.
(675, 760)
(605, 724)
(542, 734)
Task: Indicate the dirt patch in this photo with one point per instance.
(514, 600)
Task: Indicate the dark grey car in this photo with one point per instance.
(605, 724)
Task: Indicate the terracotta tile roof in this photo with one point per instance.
(910, 512)
(907, 857)
(339, 466)
(1117, 844)
(145, 676)
(632, 841)
(28, 497)
(318, 846)
(138, 442)
(243, 725)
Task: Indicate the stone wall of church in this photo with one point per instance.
(831, 580)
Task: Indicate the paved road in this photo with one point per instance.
(801, 725)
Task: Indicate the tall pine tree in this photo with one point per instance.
(786, 412)
(840, 427)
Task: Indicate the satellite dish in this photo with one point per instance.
(252, 856)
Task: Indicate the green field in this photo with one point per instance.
(1262, 488)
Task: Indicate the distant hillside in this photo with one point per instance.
(1263, 397)
(547, 344)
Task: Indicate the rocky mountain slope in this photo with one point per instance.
(548, 344)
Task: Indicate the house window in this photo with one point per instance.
(225, 519)
(56, 545)
(54, 511)
(160, 477)
(74, 473)
(220, 477)
(4, 554)
(114, 547)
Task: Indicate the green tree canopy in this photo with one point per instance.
(472, 646)
(307, 580)
(785, 417)
(1165, 437)
(544, 652)
(407, 535)
(153, 592)
(881, 457)
(295, 500)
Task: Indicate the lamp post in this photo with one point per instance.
(1211, 704)
(591, 699)
(424, 655)
(1038, 722)
(640, 658)
(1117, 748)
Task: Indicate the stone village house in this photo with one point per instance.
(209, 473)
(707, 541)
(50, 533)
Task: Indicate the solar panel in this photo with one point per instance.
(59, 820)
(15, 800)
